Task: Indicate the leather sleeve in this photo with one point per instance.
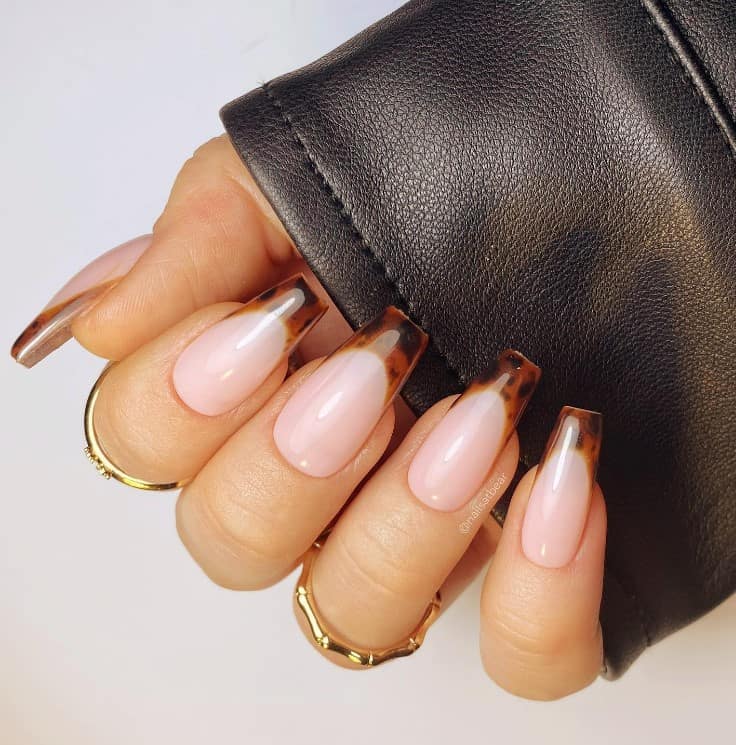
(559, 177)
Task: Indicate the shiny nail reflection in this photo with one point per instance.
(455, 459)
(560, 497)
(231, 359)
(331, 415)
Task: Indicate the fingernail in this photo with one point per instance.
(52, 326)
(331, 415)
(455, 459)
(230, 360)
(560, 497)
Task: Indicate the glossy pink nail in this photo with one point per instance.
(560, 497)
(455, 459)
(331, 415)
(52, 327)
(229, 361)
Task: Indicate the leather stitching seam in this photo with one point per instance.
(366, 248)
(692, 68)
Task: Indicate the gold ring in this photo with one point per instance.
(326, 641)
(95, 452)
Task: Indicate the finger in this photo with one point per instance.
(52, 327)
(540, 634)
(473, 561)
(216, 240)
(415, 518)
(274, 486)
(163, 411)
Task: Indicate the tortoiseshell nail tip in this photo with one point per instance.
(515, 377)
(50, 329)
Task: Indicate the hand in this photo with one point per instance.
(201, 392)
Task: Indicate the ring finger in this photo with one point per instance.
(414, 519)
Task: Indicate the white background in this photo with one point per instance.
(108, 632)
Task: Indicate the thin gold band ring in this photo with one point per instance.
(96, 453)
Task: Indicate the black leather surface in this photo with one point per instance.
(709, 26)
(557, 177)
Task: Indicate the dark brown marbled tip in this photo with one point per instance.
(580, 430)
(514, 378)
(294, 302)
(52, 327)
(396, 340)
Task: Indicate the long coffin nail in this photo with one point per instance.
(331, 415)
(560, 497)
(228, 361)
(455, 459)
(52, 326)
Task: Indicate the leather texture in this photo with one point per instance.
(558, 177)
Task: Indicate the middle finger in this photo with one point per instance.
(163, 411)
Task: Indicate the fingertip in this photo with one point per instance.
(540, 632)
(103, 330)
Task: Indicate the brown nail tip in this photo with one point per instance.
(414, 334)
(410, 338)
(312, 300)
(528, 373)
(591, 421)
(400, 350)
(51, 328)
(297, 320)
(516, 378)
(513, 362)
(296, 280)
(577, 411)
(309, 312)
(40, 338)
(518, 360)
(589, 436)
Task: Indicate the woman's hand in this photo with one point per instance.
(201, 392)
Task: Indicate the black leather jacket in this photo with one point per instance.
(559, 177)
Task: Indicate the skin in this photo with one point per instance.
(248, 516)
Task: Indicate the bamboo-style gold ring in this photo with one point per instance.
(326, 641)
(95, 452)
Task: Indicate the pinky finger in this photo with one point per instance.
(540, 633)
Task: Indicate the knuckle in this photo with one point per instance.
(527, 637)
(245, 529)
(212, 205)
(214, 149)
(377, 559)
(537, 658)
(204, 190)
(243, 524)
(129, 441)
(199, 242)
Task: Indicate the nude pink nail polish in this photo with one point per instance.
(560, 497)
(229, 361)
(52, 327)
(455, 459)
(331, 415)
